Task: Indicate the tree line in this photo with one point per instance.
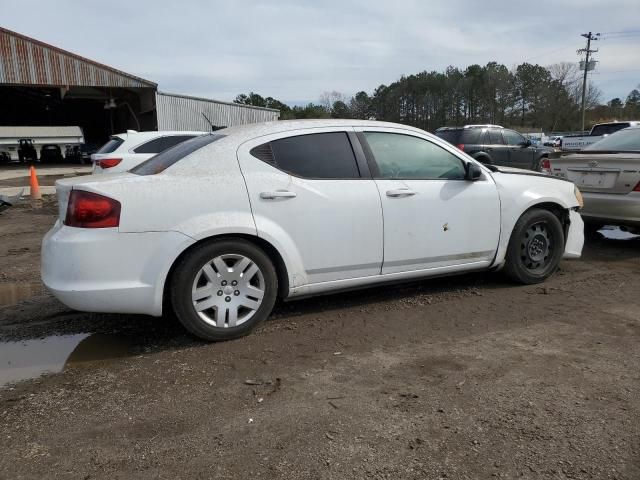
(527, 97)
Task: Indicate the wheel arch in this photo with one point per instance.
(483, 158)
(560, 211)
(268, 248)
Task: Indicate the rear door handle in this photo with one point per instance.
(400, 192)
(277, 194)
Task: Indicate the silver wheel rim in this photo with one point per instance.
(228, 290)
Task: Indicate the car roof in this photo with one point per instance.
(254, 130)
(487, 125)
(133, 134)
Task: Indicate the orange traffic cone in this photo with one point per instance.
(33, 184)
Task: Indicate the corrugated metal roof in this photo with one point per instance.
(35, 132)
(26, 61)
(180, 112)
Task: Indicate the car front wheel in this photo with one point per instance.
(535, 248)
(223, 289)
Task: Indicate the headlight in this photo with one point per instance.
(576, 192)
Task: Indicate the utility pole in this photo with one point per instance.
(590, 37)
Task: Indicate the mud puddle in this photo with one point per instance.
(12, 293)
(32, 358)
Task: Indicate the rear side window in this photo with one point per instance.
(608, 128)
(160, 144)
(111, 146)
(164, 160)
(495, 137)
(471, 136)
(318, 155)
(450, 136)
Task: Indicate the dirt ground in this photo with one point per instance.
(459, 378)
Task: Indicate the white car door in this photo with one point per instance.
(312, 196)
(433, 217)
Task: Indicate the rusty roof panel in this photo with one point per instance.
(26, 61)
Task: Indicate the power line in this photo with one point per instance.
(623, 32)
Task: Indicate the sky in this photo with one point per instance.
(296, 50)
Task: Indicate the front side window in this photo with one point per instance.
(160, 144)
(316, 156)
(407, 157)
(513, 138)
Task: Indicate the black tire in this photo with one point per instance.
(188, 269)
(535, 248)
(538, 166)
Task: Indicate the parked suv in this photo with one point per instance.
(126, 150)
(496, 145)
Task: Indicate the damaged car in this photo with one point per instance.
(218, 227)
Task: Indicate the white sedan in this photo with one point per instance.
(126, 150)
(221, 225)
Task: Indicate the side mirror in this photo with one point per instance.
(526, 143)
(474, 172)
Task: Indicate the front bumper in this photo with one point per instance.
(617, 209)
(103, 270)
(575, 236)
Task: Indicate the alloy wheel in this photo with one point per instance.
(228, 290)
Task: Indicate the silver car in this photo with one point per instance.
(608, 175)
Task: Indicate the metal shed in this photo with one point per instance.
(43, 85)
(181, 112)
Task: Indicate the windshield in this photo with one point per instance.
(626, 140)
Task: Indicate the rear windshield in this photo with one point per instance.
(608, 128)
(111, 146)
(450, 136)
(164, 160)
(627, 140)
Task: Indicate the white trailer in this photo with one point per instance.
(62, 136)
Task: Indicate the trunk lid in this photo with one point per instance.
(605, 172)
(89, 183)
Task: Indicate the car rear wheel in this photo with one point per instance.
(535, 248)
(224, 289)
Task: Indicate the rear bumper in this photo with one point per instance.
(575, 236)
(103, 270)
(621, 209)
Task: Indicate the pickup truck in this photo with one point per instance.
(574, 143)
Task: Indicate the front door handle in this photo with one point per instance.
(277, 194)
(400, 192)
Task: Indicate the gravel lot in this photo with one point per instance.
(459, 378)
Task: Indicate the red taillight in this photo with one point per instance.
(90, 210)
(460, 146)
(108, 162)
(545, 165)
(637, 188)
